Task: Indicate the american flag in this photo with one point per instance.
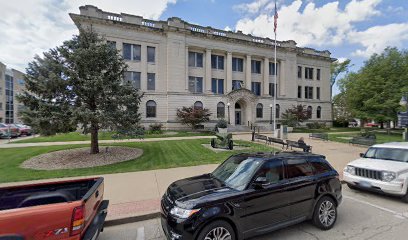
(275, 17)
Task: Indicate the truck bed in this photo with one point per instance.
(41, 194)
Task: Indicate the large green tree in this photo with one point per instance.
(375, 90)
(80, 84)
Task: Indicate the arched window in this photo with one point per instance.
(309, 111)
(259, 110)
(198, 105)
(220, 110)
(319, 112)
(150, 109)
(277, 111)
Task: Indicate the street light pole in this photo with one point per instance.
(228, 105)
(270, 106)
(404, 103)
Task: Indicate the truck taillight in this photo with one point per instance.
(78, 220)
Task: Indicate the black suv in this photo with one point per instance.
(251, 194)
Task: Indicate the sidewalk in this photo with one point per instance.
(136, 195)
(42, 144)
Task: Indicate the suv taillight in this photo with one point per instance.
(78, 220)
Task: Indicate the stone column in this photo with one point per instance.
(186, 70)
(248, 73)
(281, 78)
(207, 85)
(266, 77)
(228, 82)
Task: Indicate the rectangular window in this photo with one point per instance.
(298, 168)
(272, 68)
(217, 62)
(272, 89)
(111, 44)
(151, 54)
(256, 88)
(131, 52)
(309, 92)
(151, 81)
(299, 91)
(308, 73)
(133, 78)
(195, 84)
(236, 84)
(1, 106)
(318, 93)
(256, 66)
(318, 74)
(299, 72)
(195, 59)
(217, 86)
(9, 99)
(237, 64)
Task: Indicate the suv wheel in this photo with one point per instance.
(405, 197)
(218, 230)
(325, 213)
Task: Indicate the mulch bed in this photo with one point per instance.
(81, 158)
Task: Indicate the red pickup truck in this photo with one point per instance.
(70, 210)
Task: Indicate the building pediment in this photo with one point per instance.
(242, 93)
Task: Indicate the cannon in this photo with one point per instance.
(223, 140)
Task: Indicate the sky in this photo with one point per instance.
(349, 29)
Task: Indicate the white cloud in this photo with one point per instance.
(376, 39)
(32, 27)
(252, 7)
(325, 26)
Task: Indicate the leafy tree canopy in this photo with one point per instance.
(80, 83)
(375, 90)
(295, 115)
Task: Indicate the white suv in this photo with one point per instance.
(383, 168)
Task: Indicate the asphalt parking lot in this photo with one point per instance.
(361, 215)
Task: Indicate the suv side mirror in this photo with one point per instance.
(260, 183)
(362, 155)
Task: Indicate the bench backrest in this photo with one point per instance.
(276, 140)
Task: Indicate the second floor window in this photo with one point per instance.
(133, 78)
(318, 74)
(299, 91)
(256, 88)
(151, 54)
(217, 62)
(237, 64)
(299, 72)
(272, 89)
(131, 52)
(195, 84)
(151, 81)
(309, 92)
(309, 73)
(195, 59)
(236, 84)
(256, 66)
(217, 86)
(317, 92)
(272, 68)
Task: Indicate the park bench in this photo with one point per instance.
(323, 136)
(260, 137)
(366, 141)
(278, 141)
(294, 144)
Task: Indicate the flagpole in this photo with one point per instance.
(275, 78)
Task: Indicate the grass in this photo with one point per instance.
(331, 130)
(380, 137)
(157, 155)
(76, 136)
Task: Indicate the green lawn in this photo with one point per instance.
(76, 136)
(332, 130)
(157, 155)
(381, 137)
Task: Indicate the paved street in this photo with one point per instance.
(361, 216)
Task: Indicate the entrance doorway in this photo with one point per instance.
(238, 115)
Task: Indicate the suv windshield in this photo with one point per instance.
(393, 154)
(237, 171)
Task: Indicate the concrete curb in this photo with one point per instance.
(131, 219)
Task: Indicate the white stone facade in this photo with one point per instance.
(174, 39)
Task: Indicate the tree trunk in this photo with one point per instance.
(94, 140)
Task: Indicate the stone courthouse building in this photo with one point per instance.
(176, 63)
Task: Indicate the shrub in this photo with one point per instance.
(221, 124)
(316, 125)
(156, 128)
(193, 117)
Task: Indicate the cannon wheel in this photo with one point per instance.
(213, 143)
(230, 145)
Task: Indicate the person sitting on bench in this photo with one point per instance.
(303, 145)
